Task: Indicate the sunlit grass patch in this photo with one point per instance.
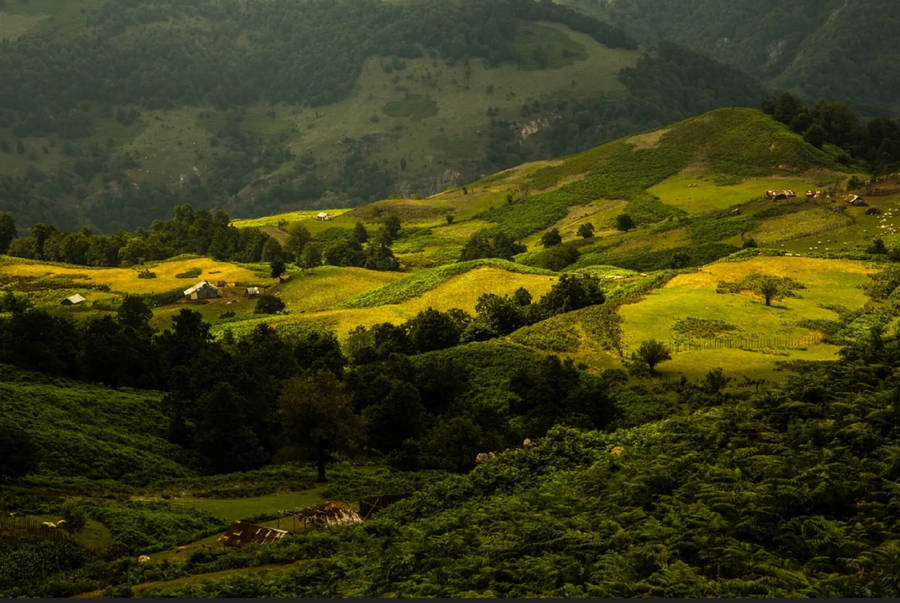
(125, 280)
(288, 217)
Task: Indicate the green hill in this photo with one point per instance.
(90, 435)
(121, 112)
(813, 48)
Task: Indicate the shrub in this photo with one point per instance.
(624, 222)
(268, 304)
(192, 273)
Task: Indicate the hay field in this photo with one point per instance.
(829, 283)
(125, 280)
(460, 291)
(327, 286)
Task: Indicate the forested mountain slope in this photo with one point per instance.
(820, 49)
(122, 110)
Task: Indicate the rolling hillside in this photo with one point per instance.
(304, 115)
(695, 189)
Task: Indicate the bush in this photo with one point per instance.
(192, 273)
(624, 222)
(268, 304)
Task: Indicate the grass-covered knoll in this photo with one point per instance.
(768, 334)
(328, 286)
(88, 432)
(420, 282)
(704, 164)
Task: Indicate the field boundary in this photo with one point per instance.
(756, 343)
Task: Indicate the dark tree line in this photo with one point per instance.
(226, 398)
(877, 141)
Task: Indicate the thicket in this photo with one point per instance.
(876, 141)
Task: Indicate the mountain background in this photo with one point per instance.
(122, 110)
(817, 49)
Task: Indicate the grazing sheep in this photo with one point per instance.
(143, 558)
(527, 444)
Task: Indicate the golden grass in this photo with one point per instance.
(827, 282)
(125, 280)
(461, 291)
(328, 286)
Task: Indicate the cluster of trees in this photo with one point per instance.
(491, 244)
(495, 316)
(203, 232)
(344, 247)
(190, 231)
(877, 141)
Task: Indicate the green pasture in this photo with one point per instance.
(233, 509)
(697, 193)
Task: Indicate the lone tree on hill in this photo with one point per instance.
(586, 230)
(653, 352)
(551, 238)
(276, 268)
(318, 419)
(770, 287)
(624, 222)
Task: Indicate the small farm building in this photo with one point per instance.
(242, 533)
(73, 300)
(202, 290)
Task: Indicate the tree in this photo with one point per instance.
(572, 292)
(360, 233)
(750, 243)
(18, 454)
(311, 256)
(624, 222)
(551, 238)
(7, 232)
(298, 238)
(499, 314)
(268, 304)
(318, 418)
(272, 251)
(652, 352)
(223, 436)
(276, 268)
(433, 330)
(877, 247)
(815, 135)
(769, 287)
(556, 258)
(586, 230)
(484, 244)
(392, 225)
